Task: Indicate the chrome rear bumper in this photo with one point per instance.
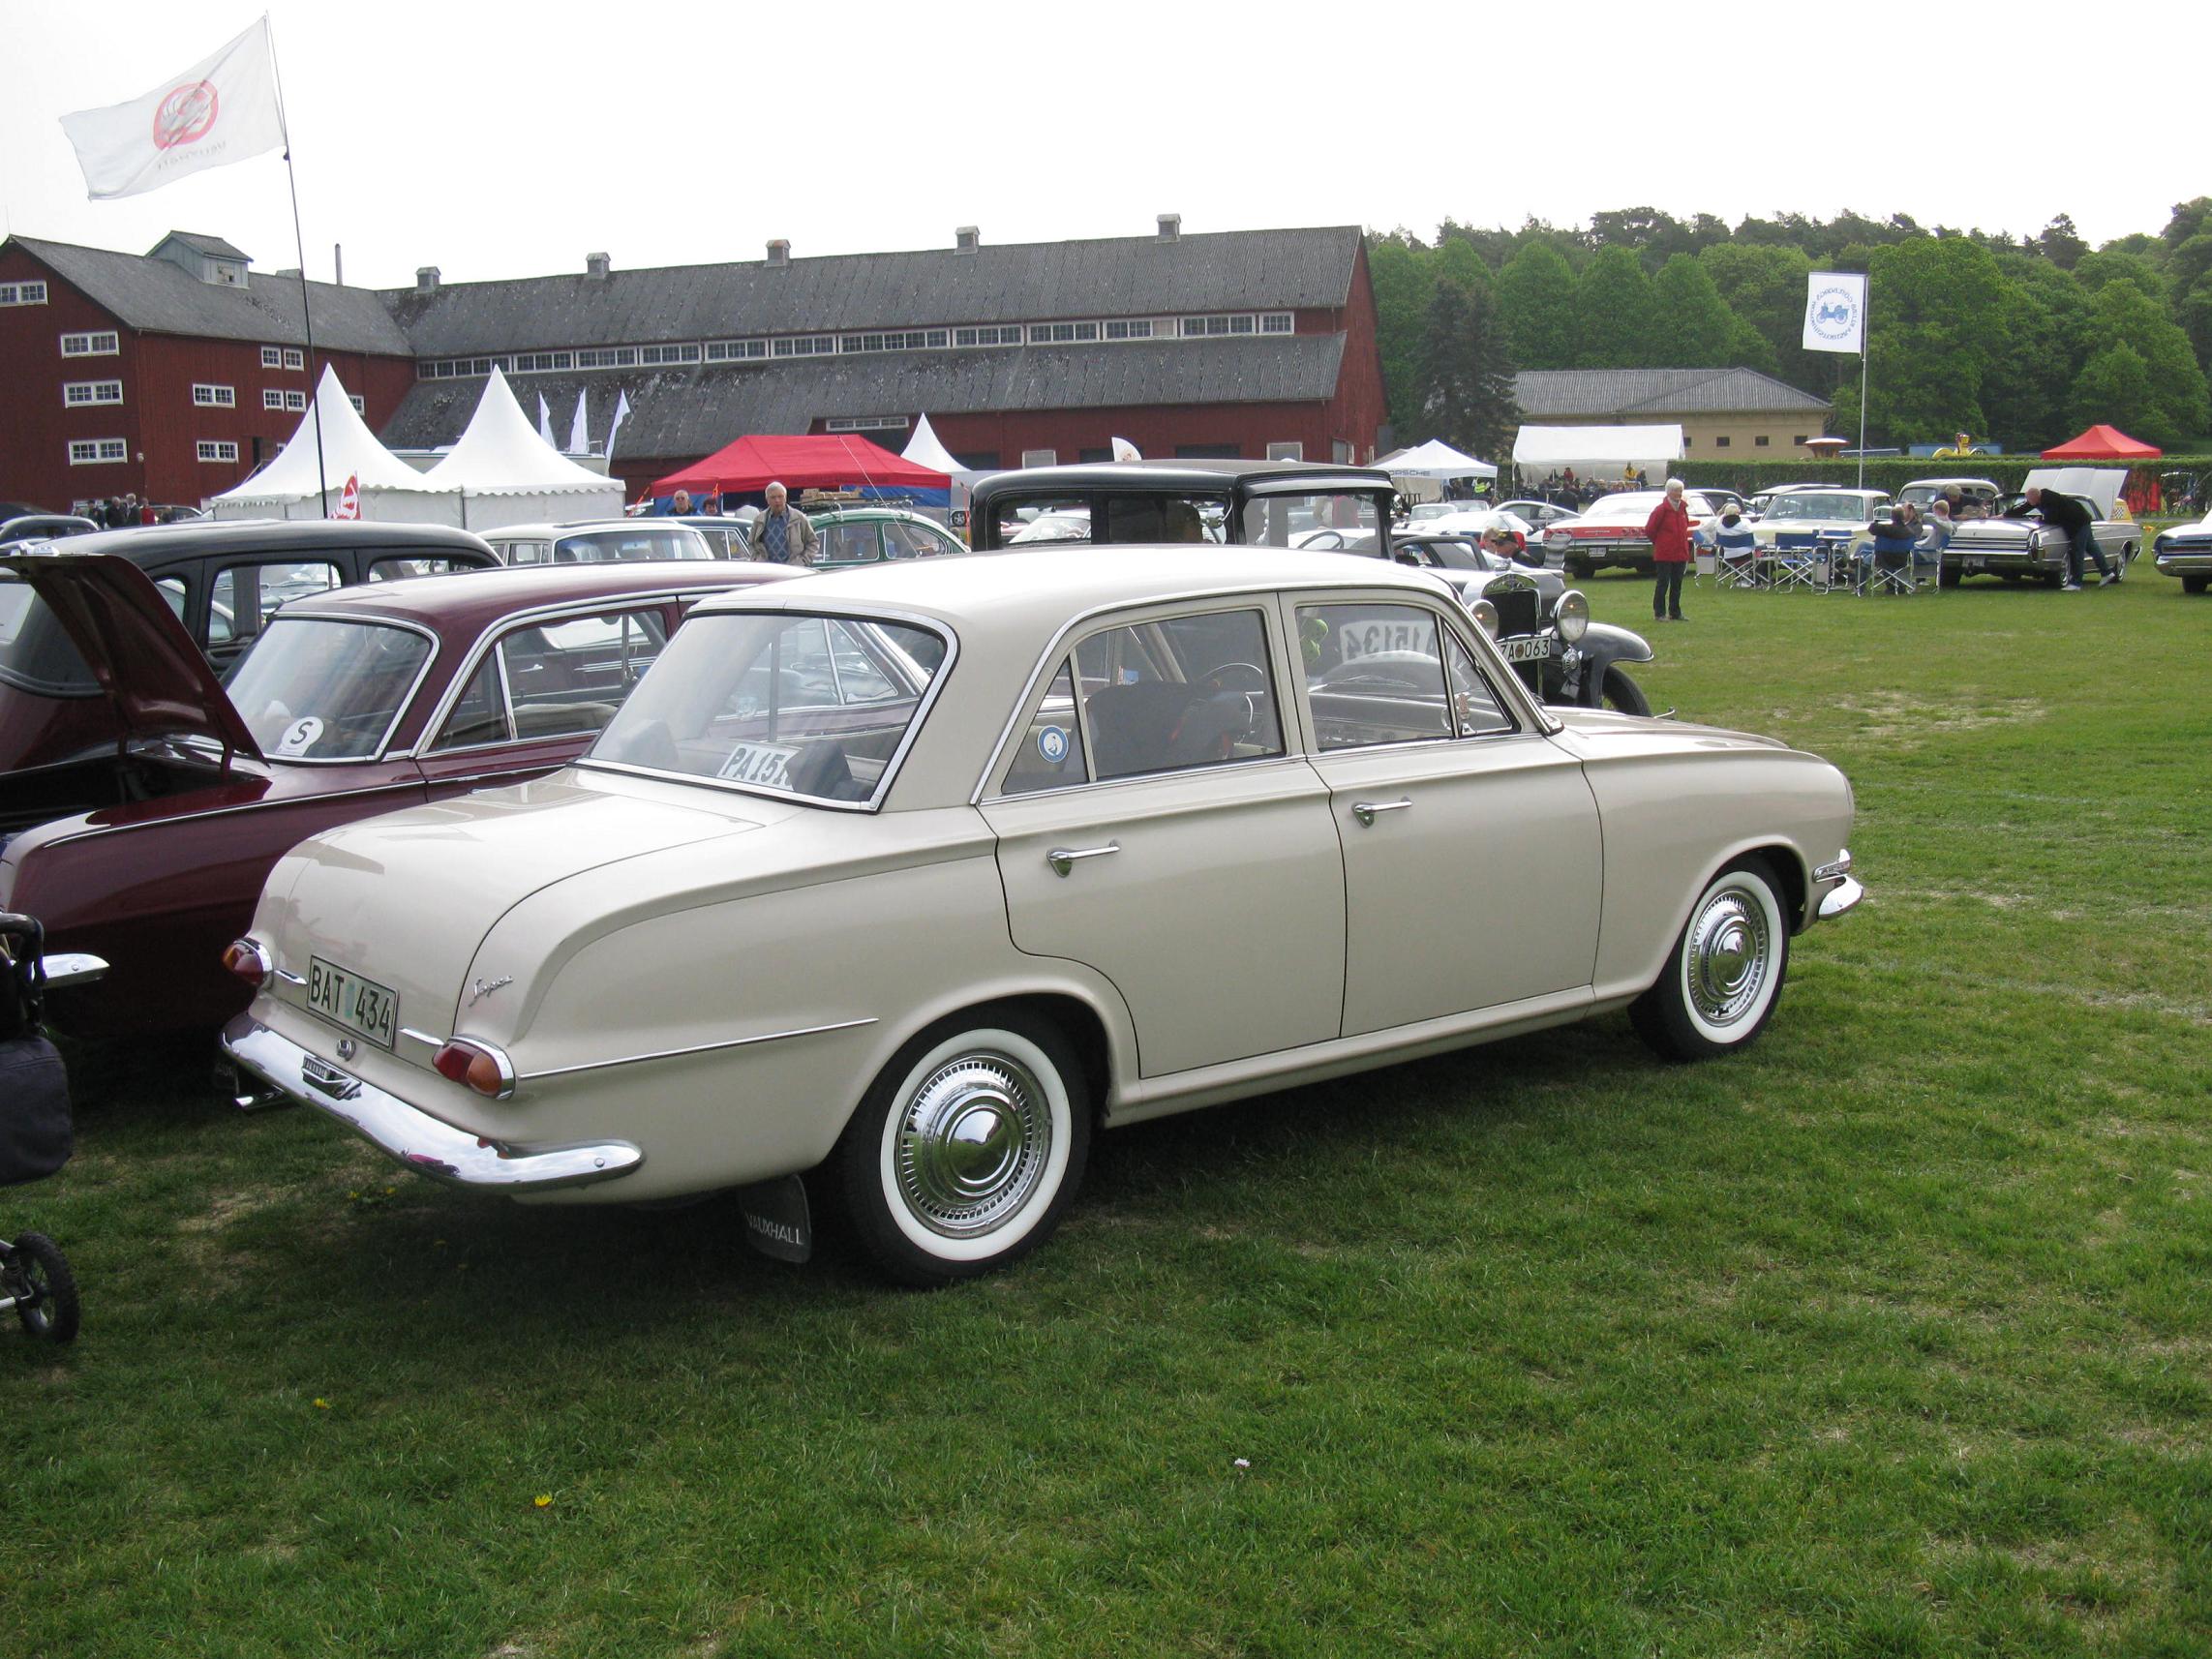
(408, 1133)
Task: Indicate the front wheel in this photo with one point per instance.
(1620, 694)
(1725, 972)
(967, 1149)
(37, 1276)
(2194, 584)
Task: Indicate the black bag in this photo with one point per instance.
(33, 1111)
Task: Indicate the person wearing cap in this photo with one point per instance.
(1669, 527)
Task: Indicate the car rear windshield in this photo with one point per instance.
(35, 651)
(646, 541)
(817, 706)
(1836, 509)
(313, 689)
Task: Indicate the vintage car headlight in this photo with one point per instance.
(1572, 616)
(1486, 613)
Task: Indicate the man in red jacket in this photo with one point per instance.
(1669, 528)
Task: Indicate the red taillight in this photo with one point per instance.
(475, 1065)
(246, 959)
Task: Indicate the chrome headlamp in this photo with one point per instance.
(1486, 613)
(1572, 616)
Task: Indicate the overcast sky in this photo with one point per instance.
(510, 139)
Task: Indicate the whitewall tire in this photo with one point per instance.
(1725, 973)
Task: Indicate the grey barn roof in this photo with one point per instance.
(1549, 394)
(157, 297)
(215, 247)
(686, 413)
(1126, 276)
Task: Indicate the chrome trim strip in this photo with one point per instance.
(71, 968)
(423, 1037)
(290, 978)
(1830, 871)
(408, 1133)
(942, 629)
(698, 1048)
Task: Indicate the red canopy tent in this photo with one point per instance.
(2102, 442)
(814, 461)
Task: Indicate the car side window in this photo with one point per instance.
(172, 588)
(566, 678)
(912, 541)
(1476, 709)
(1180, 692)
(481, 716)
(1050, 753)
(244, 597)
(1375, 674)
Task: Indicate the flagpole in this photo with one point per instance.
(299, 242)
(1865, 344)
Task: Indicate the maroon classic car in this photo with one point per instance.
(361, 701)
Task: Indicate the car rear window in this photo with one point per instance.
(35, 651)
(816, 707)
(646, 541)
(311, 688)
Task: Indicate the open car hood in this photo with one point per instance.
(2099, 484)
(156, 681)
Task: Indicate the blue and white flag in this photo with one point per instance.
(1835, 312)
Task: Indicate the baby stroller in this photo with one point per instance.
(35, 1279)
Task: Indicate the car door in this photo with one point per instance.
(537, 693)
(1471, 840)
(1155, 824)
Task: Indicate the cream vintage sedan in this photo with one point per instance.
(921, 872)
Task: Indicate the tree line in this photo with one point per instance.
(2023, 340)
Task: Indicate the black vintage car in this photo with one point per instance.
(1543, 628)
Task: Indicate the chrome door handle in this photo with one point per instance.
(1365, 810)
(1064, 859)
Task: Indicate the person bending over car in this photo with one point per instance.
(2071, 515)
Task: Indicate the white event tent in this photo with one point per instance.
(925, 449)
(292, 487)
(1437, 459)
(1595, 451)
(503, 473)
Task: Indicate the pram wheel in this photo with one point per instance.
(37, 1274)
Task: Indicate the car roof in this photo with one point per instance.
(1164, 475)
(468, 599)
(570, 527)
(159, 544)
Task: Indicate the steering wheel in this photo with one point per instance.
(1218, 679)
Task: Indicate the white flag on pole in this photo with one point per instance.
(221, 111)
(621, 413)
(580, 429)
(544, 421)
(1835, 312)
(1124, 450)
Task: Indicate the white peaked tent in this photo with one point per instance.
(923, 450)
(289, 487)
(1437, 459)
(504, 473)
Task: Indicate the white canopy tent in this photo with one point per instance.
(1596, 451)
(1437, 459)
(502, 472)
(925, 449)
(292, 487)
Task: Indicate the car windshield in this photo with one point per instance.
(35, 651)
(646, 541)
(322, 690)
(1838, 507)
(814, 707)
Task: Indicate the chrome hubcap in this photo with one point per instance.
(1727, 958)
(971, 1144)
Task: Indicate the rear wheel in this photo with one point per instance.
(967, 1149)
(1620, 694)
(1725, 972)
(38, 1278)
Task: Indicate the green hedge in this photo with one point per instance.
(1890, 472)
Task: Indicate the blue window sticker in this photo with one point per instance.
(1052, 744)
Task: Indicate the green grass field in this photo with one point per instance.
(1891, 1335)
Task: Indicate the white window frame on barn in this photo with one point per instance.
(295, 402)
(22, 294)
(272, 357)
(360, 404)
(294, 357)
(95, 343)
(271, 398)
(217, 450)
(867, 423)
(1287, 449)
(1040, 458)
(90, 394)
(212, 397)
(97, 451)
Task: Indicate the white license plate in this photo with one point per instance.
(359, 1005)
(1532, 650)
(760, 762)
